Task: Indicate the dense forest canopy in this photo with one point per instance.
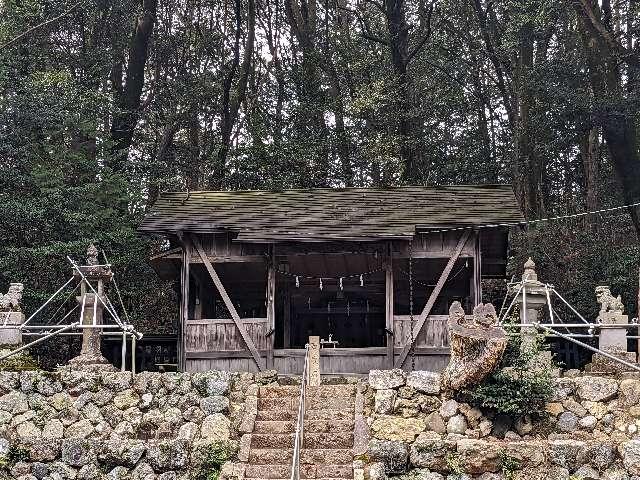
(106, 103)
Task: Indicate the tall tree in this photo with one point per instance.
(128, 92)
(606, 59)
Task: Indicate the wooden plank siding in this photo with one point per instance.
(332, 361)
(222, 335)
(434, 333)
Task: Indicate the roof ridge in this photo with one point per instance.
(343, 189)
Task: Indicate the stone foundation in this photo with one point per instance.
(591, 432)
(152, 426)
(80, 425)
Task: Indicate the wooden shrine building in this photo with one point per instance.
(261, 271)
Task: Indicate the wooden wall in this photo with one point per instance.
(332, 361)
(217, 343)
(435, 332)
(222, 335)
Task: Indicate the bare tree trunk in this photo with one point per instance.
(618, 127)
(399, 46)
(127, 96)
(232, 98)
(302, 18)
(528, 168)
(589, 150)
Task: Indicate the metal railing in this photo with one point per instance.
(40, 340)
(551, 329)
(299, 435)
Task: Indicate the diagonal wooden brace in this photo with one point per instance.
(227, 301)
(433, 297)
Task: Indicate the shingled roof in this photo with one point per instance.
(356, 214)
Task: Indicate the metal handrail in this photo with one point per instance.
(297, 445)
(40, 340)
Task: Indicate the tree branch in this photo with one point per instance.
(366, 28)
(40, 25)
(626, 55)
(426, 36)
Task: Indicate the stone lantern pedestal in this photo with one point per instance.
(92, 306)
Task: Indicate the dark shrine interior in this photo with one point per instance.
(342, 295)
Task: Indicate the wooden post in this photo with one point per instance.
(389, 305)
(477, 270)
(433, 297)
(286, 316)
(184, 305)
(229, 304)
(314, 362)
(271, 307)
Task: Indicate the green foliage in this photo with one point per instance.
(508, 465)
(18, 362)
(454, 463)
(211, 458)
(522, 383)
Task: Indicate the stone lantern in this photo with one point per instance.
(530, 301)
(92, 307)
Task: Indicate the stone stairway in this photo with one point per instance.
(327, 451)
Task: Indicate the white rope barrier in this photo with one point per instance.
(47, 302)
(589, 347)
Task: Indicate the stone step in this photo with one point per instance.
(289, 478)
(320, 456)
(270, 440)
(311, 426)
(324, 414)
(323, 391)
(312, 403)
(306, 471)
(311, 440)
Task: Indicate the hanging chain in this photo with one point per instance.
(413, 353)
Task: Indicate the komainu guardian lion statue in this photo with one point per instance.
(608, 303)
(477, 346)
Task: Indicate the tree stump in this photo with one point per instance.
(477, 346)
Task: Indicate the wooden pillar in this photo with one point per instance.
(433, 297)
(389, 305)
(477, 270)
(184, 306)
(286, 316)
(271, 307)
(314, 361)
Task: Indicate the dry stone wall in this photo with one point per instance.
(590, 432)
(151, 426)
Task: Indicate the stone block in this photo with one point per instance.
(393, 454)
(387, 427)
(424, 382)
(385, 379)
(596, 389)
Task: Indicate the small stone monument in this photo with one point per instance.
(11, 316)
(92, 305)
(612, 340)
